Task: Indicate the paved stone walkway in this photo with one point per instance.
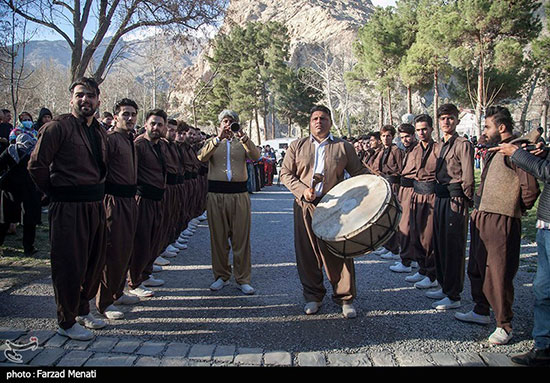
(105, 351)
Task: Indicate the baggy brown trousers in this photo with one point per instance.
(312, 255)
(77, 259)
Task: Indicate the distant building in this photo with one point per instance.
(467, 123)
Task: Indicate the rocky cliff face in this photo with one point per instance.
(309, 22)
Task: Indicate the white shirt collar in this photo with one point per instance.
(329, 137)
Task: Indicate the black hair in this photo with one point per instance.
(500, 115)
(158, 113)
(424, 118)
(88, 82)
(173, 122)
(320, 108)
(124, 102)
(406, 128)
(448, 109)
(388, 128)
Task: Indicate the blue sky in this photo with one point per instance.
(48, 34)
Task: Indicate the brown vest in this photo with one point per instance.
(501, 192)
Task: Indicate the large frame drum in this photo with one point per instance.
(357, 216)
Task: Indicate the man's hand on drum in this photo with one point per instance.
(309, 195)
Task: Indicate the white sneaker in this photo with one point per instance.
(90, 321)
(182, 240)
(415, 278)
(426, 283)
(414, 265)
(218, 284)
(111, 312)
(187, 233)
(141, 292)
(157, 268)
(168, 254)
(202, 217)
(436, 294)
(500, 336)
(127, 300)
(380, 251)
(179, 246)
(153, 282)
(400, 268)
(446, 304)
(76, 332)
(390, 255)
(161, 261)
(247, 289)
(473, 317)
(312, 307)
(348, 311)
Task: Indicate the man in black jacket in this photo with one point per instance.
(540, 168)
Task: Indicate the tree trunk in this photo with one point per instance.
(289, 131)
(390, 117)
(381, 112)
(480, 94)
(257, 126)
(528, 99)
(544, 114)
(409, 100)
(436, 105)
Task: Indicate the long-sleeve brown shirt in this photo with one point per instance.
(64, 155)
(426, 161)
(122, 164)
(151, 162)
(389, 161)
(456, 164)
(298, 165)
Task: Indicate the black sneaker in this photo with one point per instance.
(535, 357)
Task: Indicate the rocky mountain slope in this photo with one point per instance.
(309, 22)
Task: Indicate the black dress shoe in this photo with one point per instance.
(31, 251)
(535, 357)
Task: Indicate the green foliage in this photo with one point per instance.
(252, 75)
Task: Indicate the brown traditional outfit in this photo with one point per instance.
(504, 194)
(69, 165)
(311, 253)
(389, 163)
(170, 201)
(150, 192)
(454, 193)
(122, 215)
(404, 197)
(422, 208)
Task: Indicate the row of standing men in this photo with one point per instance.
(117, 202)
(434, 184)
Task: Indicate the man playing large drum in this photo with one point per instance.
(320, 153)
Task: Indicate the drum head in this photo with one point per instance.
(350, 207)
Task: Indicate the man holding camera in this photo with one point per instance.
(228, 206)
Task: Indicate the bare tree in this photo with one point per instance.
(111, 20)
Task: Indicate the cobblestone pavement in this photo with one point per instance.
(186, 324)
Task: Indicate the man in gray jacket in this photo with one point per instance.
(538, 165)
